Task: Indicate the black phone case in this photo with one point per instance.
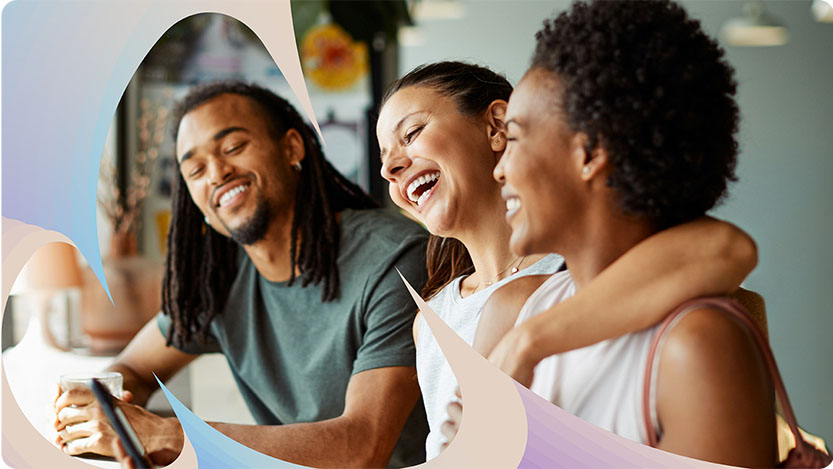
(137, 455)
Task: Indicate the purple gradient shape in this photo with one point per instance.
(558, 439)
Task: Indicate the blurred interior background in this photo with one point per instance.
(350, 51)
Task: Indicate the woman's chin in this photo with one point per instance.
(435, 223)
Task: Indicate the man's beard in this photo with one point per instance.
(254, 229)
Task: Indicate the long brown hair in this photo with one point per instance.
(473, 89)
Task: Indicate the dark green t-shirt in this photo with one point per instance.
(292, 355)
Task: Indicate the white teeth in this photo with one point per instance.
(412, 187)
(230, 194)
(513, 204)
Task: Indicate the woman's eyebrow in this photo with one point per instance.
(402, 121)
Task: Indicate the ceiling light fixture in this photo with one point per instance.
(755, 28)
(411, 36)
(823, 10)
(438, 10)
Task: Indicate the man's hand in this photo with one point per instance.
(121, 455)
(451, 426)
(158, 459)
(513, 355)
(83, 427)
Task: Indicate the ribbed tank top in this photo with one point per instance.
(436, 379)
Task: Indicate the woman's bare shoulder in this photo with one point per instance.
(501, 310)
(713, 386)
(514, 294)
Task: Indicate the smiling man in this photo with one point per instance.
(283, 265)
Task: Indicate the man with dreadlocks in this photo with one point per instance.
(286, 267)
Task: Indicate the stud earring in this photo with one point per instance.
(585, 170)
(297, 166)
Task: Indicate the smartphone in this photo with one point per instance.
(129, 440)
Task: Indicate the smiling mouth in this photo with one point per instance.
(227, 197)
(421, 188)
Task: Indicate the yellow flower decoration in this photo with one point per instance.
(331, 58)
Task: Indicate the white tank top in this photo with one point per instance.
(602, 383)
(436, 380)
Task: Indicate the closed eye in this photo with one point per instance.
(196, 171)
(409, 137)
(235, 148)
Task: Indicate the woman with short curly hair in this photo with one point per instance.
(623, 126)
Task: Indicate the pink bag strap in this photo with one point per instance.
(735, 309)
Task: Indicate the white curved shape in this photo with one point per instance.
(493, 430)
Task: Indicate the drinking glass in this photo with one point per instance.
(112, 380)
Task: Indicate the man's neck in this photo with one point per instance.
(271, 255)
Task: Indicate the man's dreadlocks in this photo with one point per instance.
(201, 263)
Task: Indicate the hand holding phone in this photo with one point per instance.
(127, 436)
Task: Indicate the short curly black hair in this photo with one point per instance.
(645, 83)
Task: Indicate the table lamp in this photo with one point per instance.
(50, 283)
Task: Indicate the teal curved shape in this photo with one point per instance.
(213, 449)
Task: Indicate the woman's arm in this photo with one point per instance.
(699, 258)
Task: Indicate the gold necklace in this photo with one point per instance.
(496, 277)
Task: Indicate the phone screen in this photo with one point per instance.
(129, 440)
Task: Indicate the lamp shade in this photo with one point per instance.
(438, 10)
(54, 266)
(823, 10)
(755, 28)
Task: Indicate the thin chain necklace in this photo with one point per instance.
(497, 278)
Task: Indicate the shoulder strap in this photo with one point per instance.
(735, 309)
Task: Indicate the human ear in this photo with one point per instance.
(589, 162)
(293, 145)
(496, 125)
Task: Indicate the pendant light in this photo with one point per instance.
(823, 10)
(755, 28)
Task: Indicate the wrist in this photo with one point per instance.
(140, 390)
(168, 437)
(529, 345)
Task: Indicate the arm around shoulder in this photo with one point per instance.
(699, 258)
(721, 249)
